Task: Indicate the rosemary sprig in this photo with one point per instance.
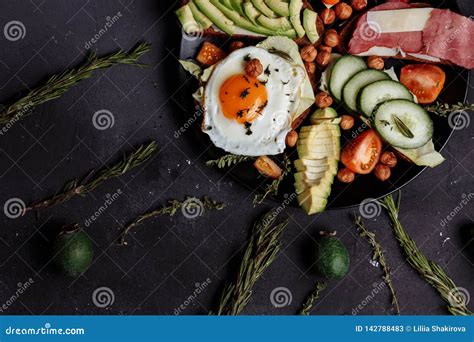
(429, 270)
(313, 296)
(170, 209)
(272, 188)
(58, 84)
(80, 187)
(444, 109)
(378, 256)
(261, 250)
(228, 160)
(402, 127)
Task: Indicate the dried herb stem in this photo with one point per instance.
(444, 109)
(311, 299)
(228, 160)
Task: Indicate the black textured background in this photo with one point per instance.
(166, 257)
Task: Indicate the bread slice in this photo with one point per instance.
(211, 32)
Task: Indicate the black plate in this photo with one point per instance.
(342, 195)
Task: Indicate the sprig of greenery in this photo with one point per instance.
(378, 255)
(444, 109)
(313, 296)
(429, 270)
(58, 84)
(261, 251)
(80, 187)
(272, 188)
(228, 160)
(170, 209)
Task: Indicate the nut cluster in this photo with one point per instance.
(253, 68)
(308, 53)
(323, 99)
(375, 62)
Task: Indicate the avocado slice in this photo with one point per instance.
(295, 16)
(279, 7)
(309, 24)
(320, 134)
(251, 12)
(199, 16)
(263, 8)
(312, 204)
(325, 113)
(302, 164)
(305, 185)
(317, 121)
(216, 16)
(238, 6)
(309, 176)
(186, 18)
(330, 141)
(320, 128)
(324, 168)
(227, 4)
(311, 152)
(275, 24)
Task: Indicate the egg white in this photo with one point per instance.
(269, 130)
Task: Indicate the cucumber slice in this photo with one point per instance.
(403, 123)
(357, 82)
(375, 93)
(342, 71)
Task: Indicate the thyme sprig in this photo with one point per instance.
(228, 160)
(80, 187)
(378, 255)
(428, 270)
(59, 84)
(261, 251)
(170, 209)
(272, 188)
(444, 109)
(311, 299)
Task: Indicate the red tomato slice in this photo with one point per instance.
(424, 80)
(363, 153)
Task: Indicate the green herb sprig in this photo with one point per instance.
(272, 188)
(228, 160)
(261, 251)
(59, 84)
(311, 299)
(429, 270)
(170, 209)
(444, 109)
(378, 255)
(80, 187)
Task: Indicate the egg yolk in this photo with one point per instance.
(242, 98)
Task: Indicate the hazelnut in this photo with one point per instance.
(328, 16)
(291, 138)
(253, 68)
(331, 38)
(343, 11)
(323, 58)
(310, 68)
(375, 62)
(345, 176)
(308, 53)
(325, 48)
(323, 99)
(359, 5)
(382, 172)
(347, 122)
(235, 45)
(389, 159)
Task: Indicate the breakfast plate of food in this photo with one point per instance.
(326, 103)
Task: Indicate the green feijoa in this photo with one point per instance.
(73, 252)
(332, 257)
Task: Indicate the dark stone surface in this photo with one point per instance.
(166, 257)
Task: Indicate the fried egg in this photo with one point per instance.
(251, 116)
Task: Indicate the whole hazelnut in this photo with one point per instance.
(359, 5)
(323, 58)
(291, 138)
(375, 62)
(347, 122)
(328, 16)
(308, 53)
(345, 176)
(343, 11)
(310, 68)
(389, 159)
(331, 38)
(253, 68)
(325, 48)
(235, 45)
(382, 172)
(323, 99)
